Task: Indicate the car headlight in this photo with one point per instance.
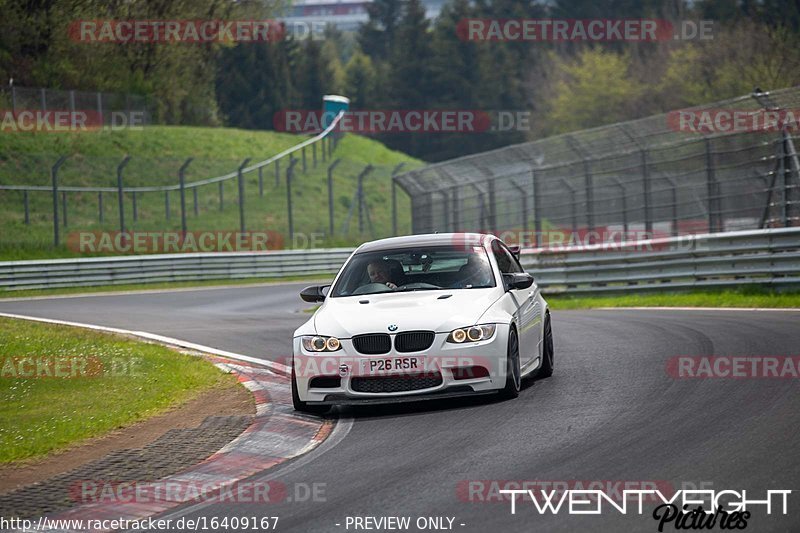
(319, 343)
(477, 333)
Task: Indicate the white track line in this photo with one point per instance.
(275, 367)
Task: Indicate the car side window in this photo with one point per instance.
(506, 261)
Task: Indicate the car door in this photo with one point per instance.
(527, 303)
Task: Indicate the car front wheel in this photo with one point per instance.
(511, 389)
(300, 405)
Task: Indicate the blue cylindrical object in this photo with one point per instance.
(332, 105)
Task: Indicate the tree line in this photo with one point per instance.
(400, 60)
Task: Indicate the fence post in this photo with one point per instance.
(120, 194)
(289, 174)
(537, 211)
(54, 178)
(574, 207)
(27, 208)
(330, 195)
(624, 199)
(360, 195)
(303, 153)
(100, 105)
(674, 207)
(322, 149)
(166, 203)
(314, 153)
(395, 171)
(135, 210)
(221, 196)
(182, 183)
(100, 206)
(14, 104)
(194, 197)
(43, 95)
(492, 222)
(277, 173)
(711, 188)
(524, 200)
(261, 181)
(240, 179)
(647, 191)
(64, 206)
(72, 101)
(787, 172)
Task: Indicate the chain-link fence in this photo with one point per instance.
(660, 175)
(109, 109)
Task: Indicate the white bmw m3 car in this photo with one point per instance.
(422, 317)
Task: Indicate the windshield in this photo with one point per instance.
(415, 269)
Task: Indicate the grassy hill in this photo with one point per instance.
(157, 152)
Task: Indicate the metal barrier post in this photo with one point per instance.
(135, 210)
(624, 198)
(166, 203)
(711, 188)
(64, 206)
(100, 206)
(182, 185)
(221, 197)
(574, 207)
(395, 171)
(240, 179)
(289, 175)
(261, 181)
(674, 205)
(360, 196)
(194, 197)
(120, 193)
(54, 178)
(27, 209)
(330, 195)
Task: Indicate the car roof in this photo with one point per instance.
(427, 239)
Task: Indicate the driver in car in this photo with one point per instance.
(380, 272)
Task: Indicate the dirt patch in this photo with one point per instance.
(223, 401)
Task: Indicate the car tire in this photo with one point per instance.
(546, 368)
(513, 379)
(300, 405)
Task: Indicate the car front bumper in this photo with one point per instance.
(442, 371)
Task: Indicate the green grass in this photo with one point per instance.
(124, 381)
(749, 297)
(157, 153)
(157, 286)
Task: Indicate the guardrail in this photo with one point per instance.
(770, 257)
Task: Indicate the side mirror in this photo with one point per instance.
(517, 280)
(515, 250)
(315, 293)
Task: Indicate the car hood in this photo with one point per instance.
(422, 310)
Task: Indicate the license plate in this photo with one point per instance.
(390, 365)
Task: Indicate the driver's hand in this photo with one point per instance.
(391, 285)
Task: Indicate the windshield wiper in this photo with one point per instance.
(412, 289)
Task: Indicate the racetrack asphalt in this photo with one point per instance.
(611, 412)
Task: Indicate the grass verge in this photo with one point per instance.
(85, 384)
(749, 297)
